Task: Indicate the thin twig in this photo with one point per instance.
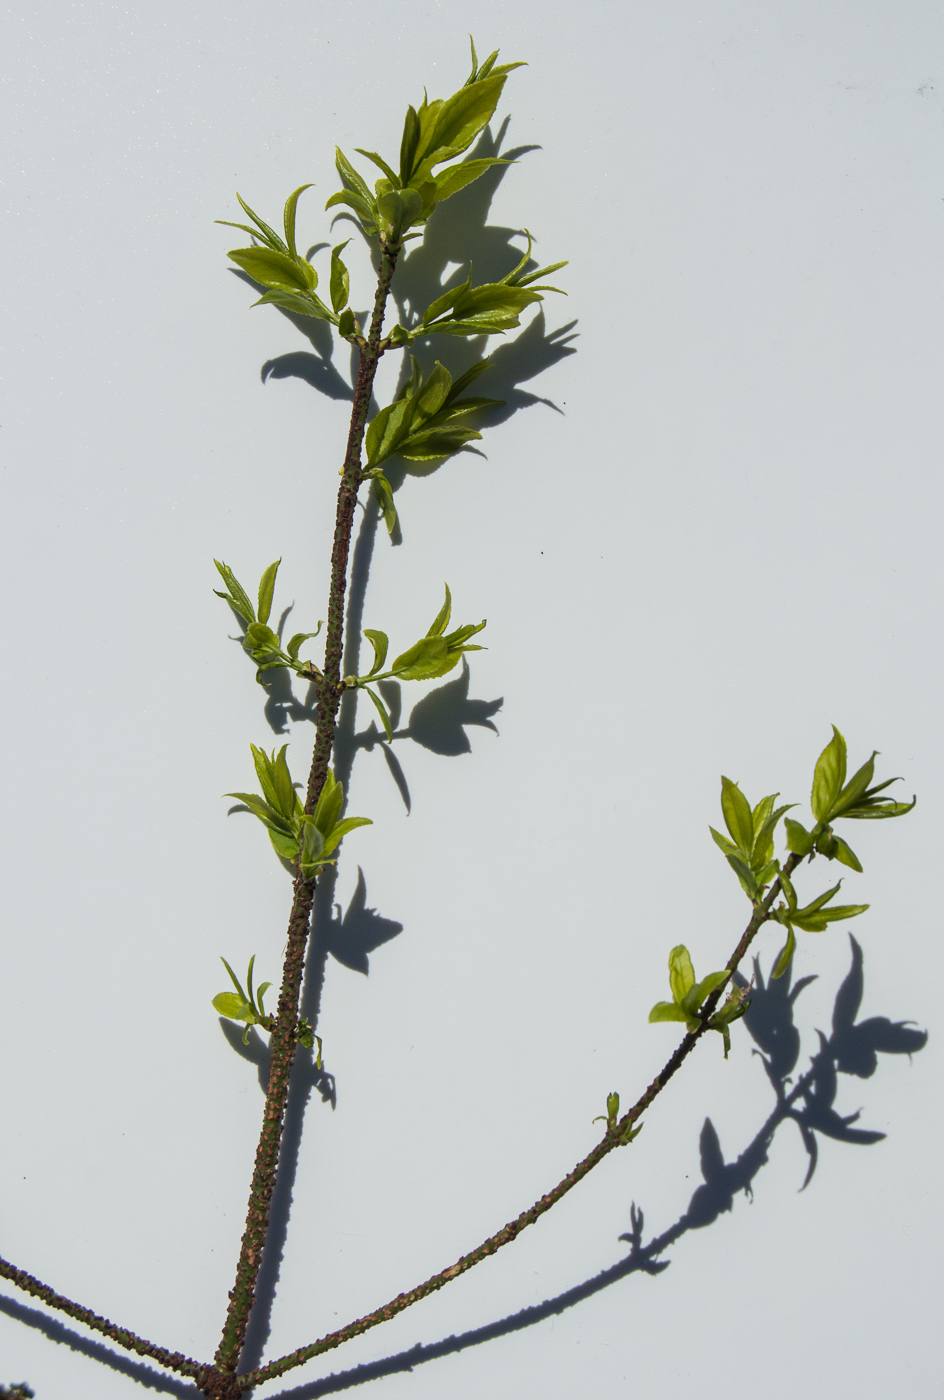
(173, 1360)
(611, 1140)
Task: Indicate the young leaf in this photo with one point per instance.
(235, 593)
(340, 278)
(667, 1011)
(380, 644)
(382, 711)
(799, 840)
(785, 955)
(846, 855)
(441, 620)
(266, 590)
(383, 493)
(269, 235)
(274, 269)
(296, 641)
(681, 972)
(341, 829)
(282, 783)
(828, 777)
(232, 1006)
(738, 817)
(288, 217)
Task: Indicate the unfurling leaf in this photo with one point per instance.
(785, 956)
(828, 777)
(340, 279)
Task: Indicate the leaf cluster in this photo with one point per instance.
(611, 1120)
(832, 797)
(305, 839)
(260, 641)
(434, 134)
(750, 850)
(688, 995)
(432, 656)
(286, 273)
(244, 1006)
(426, 421)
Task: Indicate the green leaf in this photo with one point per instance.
(285, 845)
(723, 843)
(274, 269)
(269, 816)
(312, 845)
(738, 817)
(269, 234)
(382, 710)
(436, 445)
(362, 208)
(380, 643)
(329, 804)
(234, 979)
(697, 994)
(264, 765)
(458, 121)
(266, 590)
(232, 1006)
(846, 855)
(351, 178)
(681, 972)
(745, 874)
(612, 1107)
(340, 279)
(408, 143)
(288, 217)
(442, 442)
(855, 787)
(456, 177)
(399, 209)
(433, 394)
(425, 660)
(298, 303)
(785, 956)
(282, 783)
(383, 493)
(296, 641)
(236, 594)
(828, 777)
(870, 808)
(667, 1011)
(380, 163)
(799, 840)
(445, 301)
(786, 884)
(261, 642)
(441, 620)
(387, 429)
(347, 326)
(340, 830)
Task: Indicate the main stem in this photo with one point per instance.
(283, 1043)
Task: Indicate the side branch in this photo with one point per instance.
(528, 1217)
(173, 1360)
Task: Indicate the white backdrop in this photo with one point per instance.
(699, 540)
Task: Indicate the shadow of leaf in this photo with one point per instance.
(360, 931)
(438, 721)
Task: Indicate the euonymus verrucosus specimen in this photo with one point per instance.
(430, 419)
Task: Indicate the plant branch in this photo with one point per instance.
(283, 1043)
(611, 1140)
(173, 1360)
